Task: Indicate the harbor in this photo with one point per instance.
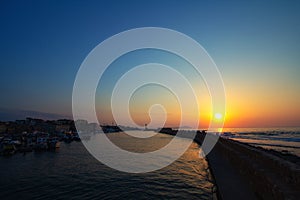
(73, 173)
(23, 136)
(250, 171)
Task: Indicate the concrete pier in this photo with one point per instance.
(245, 172)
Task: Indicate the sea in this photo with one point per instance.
(72, 173)
(284, 139)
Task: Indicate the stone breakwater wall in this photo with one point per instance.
(269, 176)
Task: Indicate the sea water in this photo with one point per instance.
(280, 139)
(72, 173)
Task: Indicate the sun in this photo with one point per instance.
(218, 116)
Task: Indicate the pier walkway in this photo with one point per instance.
(245, 172)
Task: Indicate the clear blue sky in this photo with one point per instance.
(44, 42)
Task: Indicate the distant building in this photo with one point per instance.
(167, 131)
(64, 121)
(62, 128)
(3, 127)
(20, 122)
(33, 122)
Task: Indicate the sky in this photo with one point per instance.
(254, 44)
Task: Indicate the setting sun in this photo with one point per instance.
(218, 116)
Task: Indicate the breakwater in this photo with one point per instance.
(245, 172)
(267, 175)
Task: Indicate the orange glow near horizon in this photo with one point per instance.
(241, 111)
(249, 103)
(264, 106)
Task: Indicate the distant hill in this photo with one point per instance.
(12, 115)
